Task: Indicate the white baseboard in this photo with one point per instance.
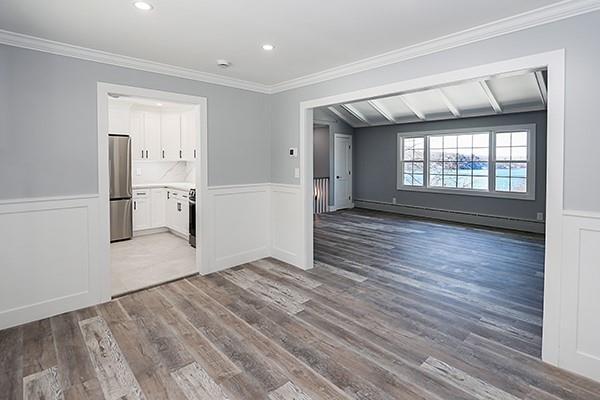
(151, 231)
(50, 252)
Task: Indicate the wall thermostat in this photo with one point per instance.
(293, 152)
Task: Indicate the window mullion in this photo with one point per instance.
(492, 163)
(426, 162)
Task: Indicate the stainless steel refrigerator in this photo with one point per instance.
(119, 155)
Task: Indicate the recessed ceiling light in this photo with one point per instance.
(142, 5)
(159, 104)
(268, 47)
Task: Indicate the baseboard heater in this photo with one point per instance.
(521, 224)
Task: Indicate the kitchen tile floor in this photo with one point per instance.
(149, 260)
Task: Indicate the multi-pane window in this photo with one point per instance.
(490, 161)
(459, 161)
(511, 162)
(413, 161)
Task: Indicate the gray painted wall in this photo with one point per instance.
(375, 168)
(326, 117)
(48, 124)
(321, 152)
(577, 35)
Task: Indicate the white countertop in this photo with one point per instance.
(171, 185)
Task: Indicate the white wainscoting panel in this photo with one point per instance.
(49, 252)
(238, 225)
(580, 291)
(286, 220)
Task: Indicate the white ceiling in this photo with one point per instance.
(309, 35)
(516, 92)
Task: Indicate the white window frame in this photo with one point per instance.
(491, 192)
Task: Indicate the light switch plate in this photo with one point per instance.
(296, 172)
(293, 152)
(138, 172)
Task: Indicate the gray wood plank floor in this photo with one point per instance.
(395, 308)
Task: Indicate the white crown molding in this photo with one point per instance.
(539, 16)
(544, 15)
(64, 49)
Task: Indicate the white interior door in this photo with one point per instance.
(343, 171)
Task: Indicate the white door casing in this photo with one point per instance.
(342, 171)
(554, 61)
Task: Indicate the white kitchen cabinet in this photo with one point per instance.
(145, 135)
(178, 212)
(118, 118)
(152, 135)
(158, 207)
(189, 131)
(142, 210)
(170, 133)
(136, 131)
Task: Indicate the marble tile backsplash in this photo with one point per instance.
(163, 171)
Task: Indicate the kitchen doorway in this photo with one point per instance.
(152, 168)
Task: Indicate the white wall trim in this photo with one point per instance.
(48, 199)
(68, 50)
(555, 62)
(238, 224)
(540, 16)
(46, 239)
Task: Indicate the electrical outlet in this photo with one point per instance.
(138, 172)
(540, 216)
(393, 200)
(296, 172)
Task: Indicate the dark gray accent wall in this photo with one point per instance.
(323, 116)
(375, 161)
(321, 152)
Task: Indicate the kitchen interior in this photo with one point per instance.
(152, 164)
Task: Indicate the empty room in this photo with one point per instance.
(299, 200)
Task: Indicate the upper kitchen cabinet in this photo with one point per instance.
(189, 132)
(145, 131)
(152, 135)
(118, 118)
(170, 132)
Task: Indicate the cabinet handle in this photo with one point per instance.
(146, 153)
(135, 205)
(180, 154)
(194, 153)
(163, 154)
(168, 195)
(142, 153)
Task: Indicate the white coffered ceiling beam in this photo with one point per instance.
(539, 77)
(341, 116)
(352, 110)
(448, 103)
(492, 99)
(412, 108)
(381, 109)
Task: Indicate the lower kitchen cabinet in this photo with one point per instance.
(178, 211)
(142, 210)
(160, 208)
